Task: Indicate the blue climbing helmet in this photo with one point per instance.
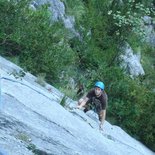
(100, 85)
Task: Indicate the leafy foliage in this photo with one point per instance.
(30, 35)
(128, 18)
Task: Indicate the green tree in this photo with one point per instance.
(30, 34)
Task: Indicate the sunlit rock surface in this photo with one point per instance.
(33, 122)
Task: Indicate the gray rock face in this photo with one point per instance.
(149, 28)
(56, 6)
(57, 9)
(2, 152)
(131, 62)
(33, 122)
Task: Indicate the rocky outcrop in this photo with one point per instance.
(57, 9)
(32, 121)
(130, 62)
(149, 28)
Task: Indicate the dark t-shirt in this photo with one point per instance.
(100, 102)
